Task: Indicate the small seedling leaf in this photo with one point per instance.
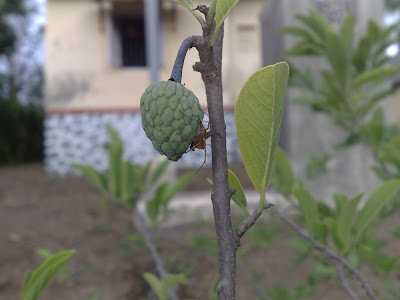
(159, 170)
(127, 182)
(93, 175)
(36, 281)
(239, 198)
(163, 286)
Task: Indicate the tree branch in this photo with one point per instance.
(343, 279)
(139, 223)
(248, 223)
(220, 196)
(364, 283)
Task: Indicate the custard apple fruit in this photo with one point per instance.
(170, 117)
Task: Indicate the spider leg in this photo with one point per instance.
(205, 158)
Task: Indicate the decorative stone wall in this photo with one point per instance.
(80, 138)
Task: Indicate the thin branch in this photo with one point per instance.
(140, 224)
(248, 223)
(364, 283)
(343, 279)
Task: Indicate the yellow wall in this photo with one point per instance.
(79, 74)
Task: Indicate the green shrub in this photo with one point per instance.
(21, 132)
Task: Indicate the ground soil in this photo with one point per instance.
(37, 211)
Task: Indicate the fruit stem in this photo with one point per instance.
(176, 74)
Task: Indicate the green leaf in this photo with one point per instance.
(163, 286)
(222, 10)
(155, 285)
(346, 32)
(346, 220)
(258, 116)
(114, 149)
(177, 186)
(127, 182)
(316, 165)
(338, 57)
(189, 5)
(282, 174)
(171, 281)
(308, 35)
(373, 32)
(331, 225)
(36, 281)
(153, 206)
(238, 197)
(309, 207)
(375, 74)
(159, 170)
(185, 3)
(374, 204)
(93, 175)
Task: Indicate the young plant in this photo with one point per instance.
(338, 232)
(356, 81)
(122, 181)
(36, 281)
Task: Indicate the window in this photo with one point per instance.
(126, 41)
(132, 39)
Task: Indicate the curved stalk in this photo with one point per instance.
(176, 74)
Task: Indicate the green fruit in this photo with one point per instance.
(170, 116)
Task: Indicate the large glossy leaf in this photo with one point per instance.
(238, 197)
(374, 204)
(36, 281)
(258, 116)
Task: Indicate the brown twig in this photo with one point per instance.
(364, 283)
(248, 223)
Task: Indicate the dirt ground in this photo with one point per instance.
(37, 211)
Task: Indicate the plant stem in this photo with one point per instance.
(176, 73)
(220, 196)
(139, 222)
(343, 279)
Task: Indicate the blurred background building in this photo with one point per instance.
(101, 56)
(99, 63)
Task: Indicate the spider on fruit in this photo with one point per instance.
(199, 141)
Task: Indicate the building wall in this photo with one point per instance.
(85, 90)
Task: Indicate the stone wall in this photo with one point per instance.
(80, 138)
